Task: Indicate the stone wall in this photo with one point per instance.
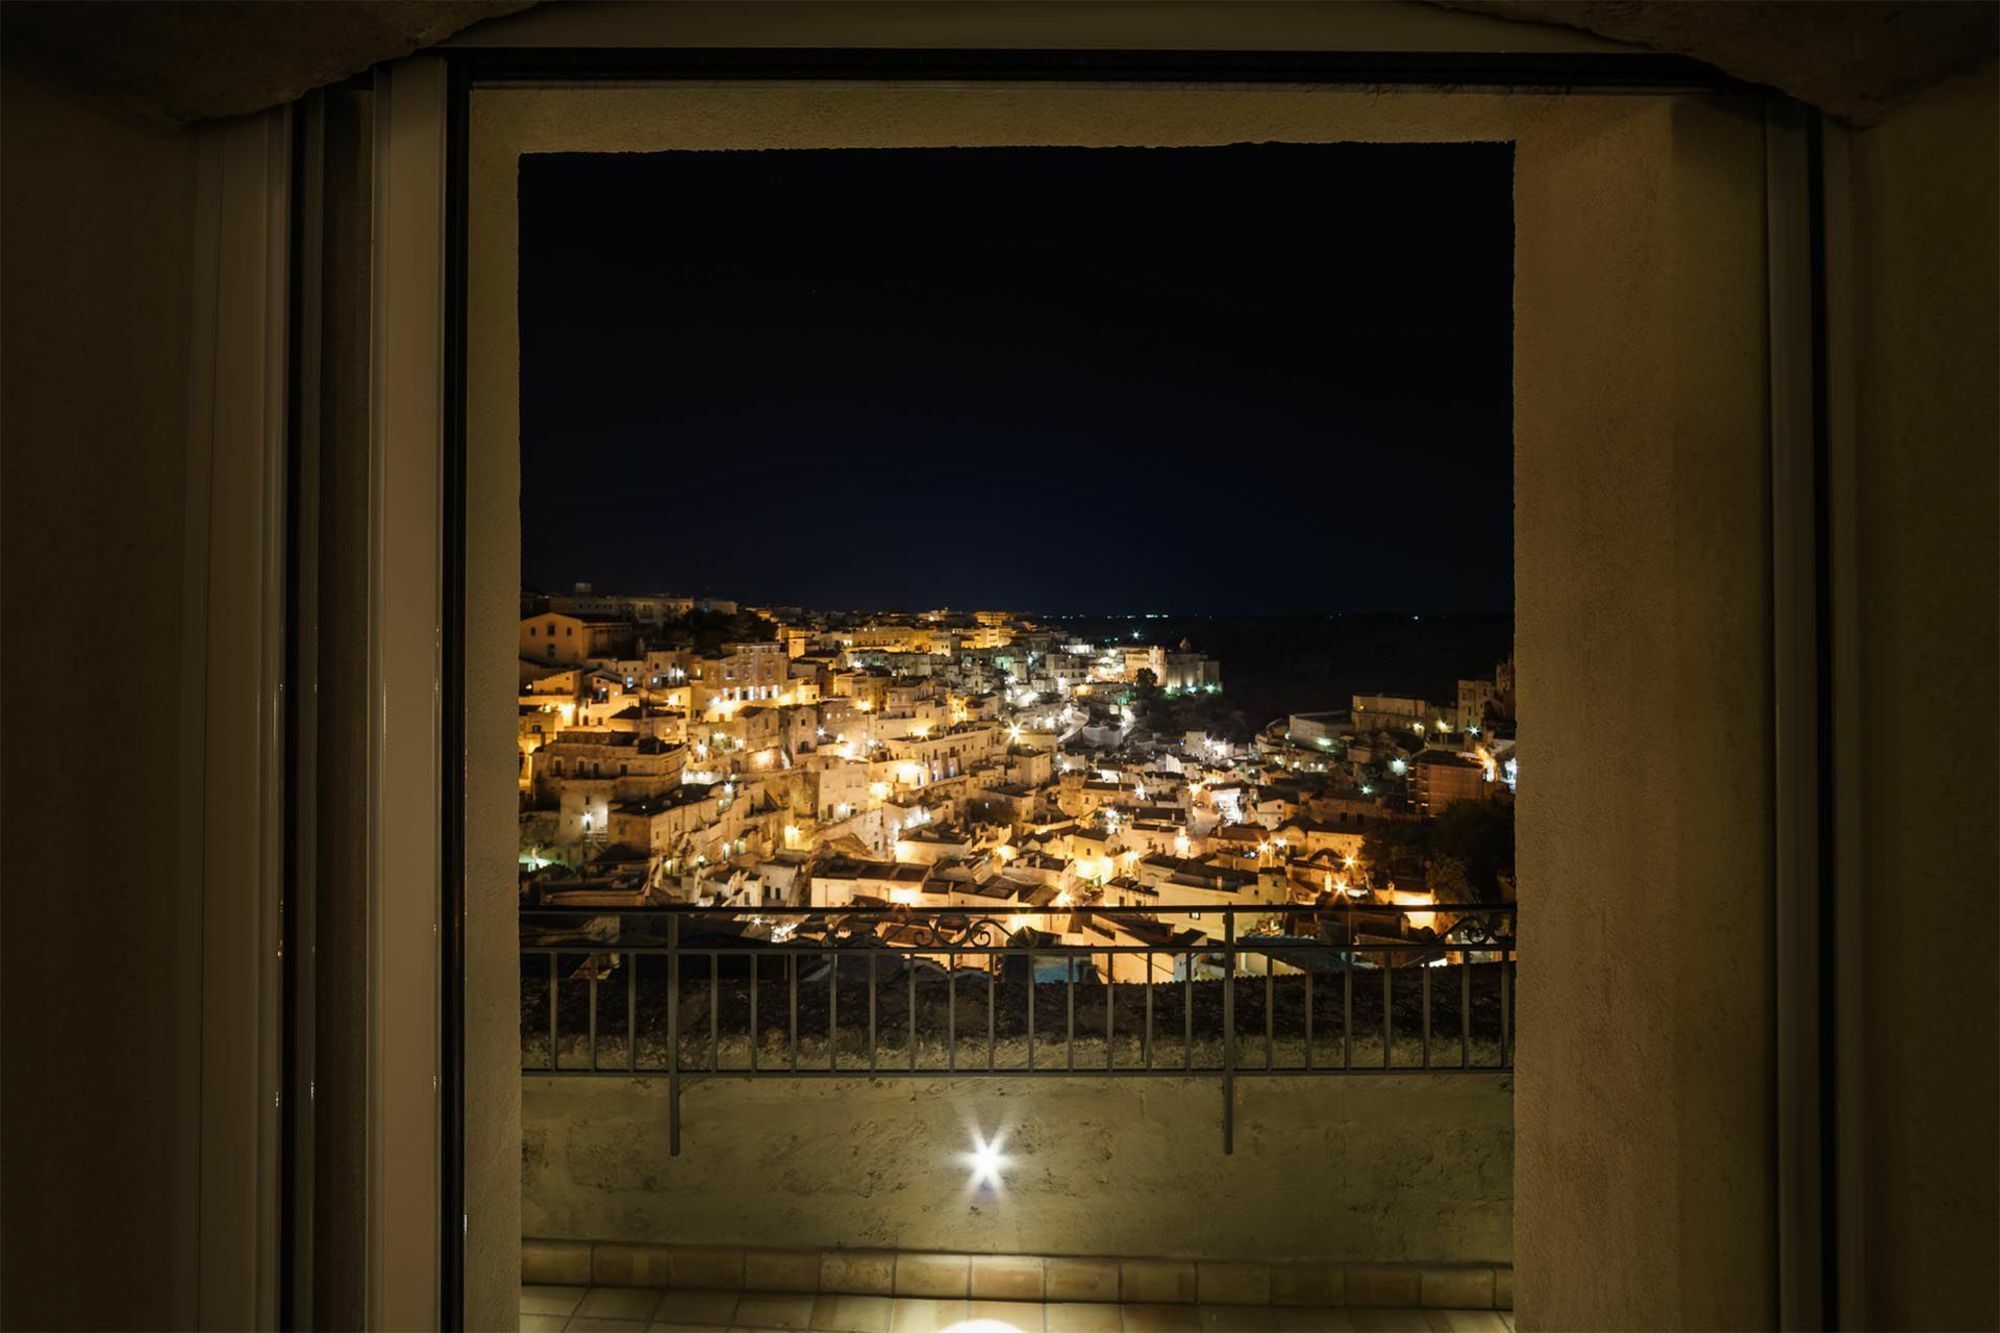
(1391, 1168)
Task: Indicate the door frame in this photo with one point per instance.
(417, 1162)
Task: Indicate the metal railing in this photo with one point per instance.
(875, 992)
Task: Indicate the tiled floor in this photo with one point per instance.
(647, 1310)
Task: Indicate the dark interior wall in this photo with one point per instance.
(96, 226)
(340, 1054)
(1926, 219)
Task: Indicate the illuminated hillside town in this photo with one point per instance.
(679, 750)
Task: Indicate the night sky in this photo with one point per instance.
(1261, 378)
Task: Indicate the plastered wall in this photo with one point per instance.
(96, 226)
(1644, 1171)
(1926, 234)
(1386, 1168)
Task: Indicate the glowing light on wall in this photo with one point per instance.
(986, 1161)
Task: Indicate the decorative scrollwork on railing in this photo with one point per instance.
(954, 930)
(1480, 928)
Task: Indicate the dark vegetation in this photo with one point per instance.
(1174, 715)
(707, 631)
(1466, 854)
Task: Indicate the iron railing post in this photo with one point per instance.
(1069, 1011)
(1347, 997)
(1426, 971)
(673, 1036)
(1110, 1007)
(1031, 1009)
(1228, 1033)
(1311, 955)
(1388, 1006)
(1146, 1046)
(554, 1035)
(1464, 1011)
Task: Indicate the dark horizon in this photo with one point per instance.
(1262, 379)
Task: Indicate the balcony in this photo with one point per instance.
(1252, 1116)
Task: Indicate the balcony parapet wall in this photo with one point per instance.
(1405, 1169)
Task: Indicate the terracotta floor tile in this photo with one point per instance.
(920, 1314)
(1082, 1317)
(620, 1303)
(551, 1300)
(837, 1313)
(697, 1307)
(1389, 1320)
(1466, 1321)
(775, 1310)
(1005, 1316)
(1239, 1319)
